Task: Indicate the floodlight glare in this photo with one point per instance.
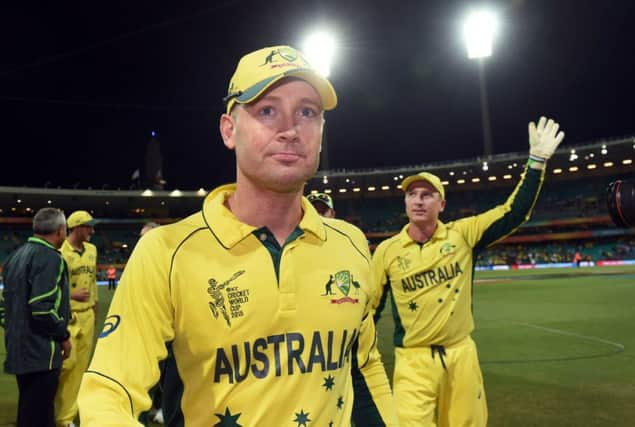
(479, 29)
(319, 49)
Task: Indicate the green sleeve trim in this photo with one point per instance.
(521, 202)
(54, 290)
(400, 331)
(60, 273)
(382, 302)
(52, 355)
(365, 410)
(173, 388)
(43, 296)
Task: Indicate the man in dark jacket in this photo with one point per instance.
(37, 312)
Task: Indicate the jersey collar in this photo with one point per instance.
(440, 232)
(230, 231)
(67, 247)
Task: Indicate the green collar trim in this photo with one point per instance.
(37, 240)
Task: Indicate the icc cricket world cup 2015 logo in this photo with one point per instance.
(217, 305)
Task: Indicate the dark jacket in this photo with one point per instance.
(37, 308)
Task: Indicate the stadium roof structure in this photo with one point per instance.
(602, 158)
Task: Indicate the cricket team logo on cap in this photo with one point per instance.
(286, 53)
(259, 70)
(227, 299)
(346, 284)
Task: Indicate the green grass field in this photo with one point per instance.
(556, 347)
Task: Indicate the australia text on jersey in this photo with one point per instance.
(431, 277)
(283, 354)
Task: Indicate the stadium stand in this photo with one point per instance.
(570, 214)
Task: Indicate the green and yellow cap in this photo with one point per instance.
(424, 176)
(78, 218)
(258, 70)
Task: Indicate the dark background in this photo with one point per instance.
(82, 84)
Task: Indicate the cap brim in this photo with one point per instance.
(91, 223)
(327, 204)
(322, 86)
(409, 180)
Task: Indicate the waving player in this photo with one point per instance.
(428, 268)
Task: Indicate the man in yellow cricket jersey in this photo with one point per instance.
(428, 267)
(234, 293)
(81, 257)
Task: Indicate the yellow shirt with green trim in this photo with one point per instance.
(431, 283)
(258, 334)
(82, 272)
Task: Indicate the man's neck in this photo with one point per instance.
(421, 232)
(75, 242)
(279, 212)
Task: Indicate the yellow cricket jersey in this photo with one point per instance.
(431, 283)
(257, 334)
(82, 272)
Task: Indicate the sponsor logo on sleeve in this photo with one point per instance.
(111, 323)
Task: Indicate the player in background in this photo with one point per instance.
(37, 312)
(258, 252)
(323, 203)
(428, 267)
(81, 257)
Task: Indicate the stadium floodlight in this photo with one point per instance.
(479, 30)
(319, 48)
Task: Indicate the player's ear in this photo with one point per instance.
(442, 205)
(227, 128)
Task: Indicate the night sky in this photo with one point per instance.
(82, 83)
